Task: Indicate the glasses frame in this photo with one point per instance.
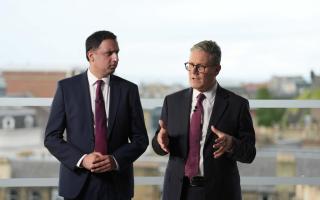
(200, 68)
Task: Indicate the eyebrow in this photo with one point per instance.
(111, 51)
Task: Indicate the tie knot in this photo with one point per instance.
(99, 83)
(201, 97)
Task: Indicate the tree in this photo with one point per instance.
(268, 116)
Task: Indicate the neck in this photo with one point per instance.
(96, 73)
(208, 88)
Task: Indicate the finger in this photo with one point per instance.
(99, 159)
(164, 148)
(163, 134)
(111, 165)
(99, 164)
(103, 160)
(221, 141)
(100, 169)
(165, 143)
(219, 144)
(162, 124)
(110, 160)
(219, 152)
(161, 137)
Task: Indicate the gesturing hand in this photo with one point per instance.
(223, 143)
(163, 138)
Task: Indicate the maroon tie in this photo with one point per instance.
(100, 121)
(192, 165)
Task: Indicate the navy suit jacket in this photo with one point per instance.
(71, 111)
(231, 115)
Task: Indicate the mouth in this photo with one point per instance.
(194, 78)
(113, 67)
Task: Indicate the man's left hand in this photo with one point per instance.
(223, 143)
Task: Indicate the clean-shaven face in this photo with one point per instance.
(104, 59)
(205, 80)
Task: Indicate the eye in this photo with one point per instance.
(109, 53)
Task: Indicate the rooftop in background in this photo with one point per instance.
(39, 83)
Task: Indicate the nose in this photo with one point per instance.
(115, 57)
(194, 70)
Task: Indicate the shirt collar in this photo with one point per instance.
(210, 94)
(93, 79)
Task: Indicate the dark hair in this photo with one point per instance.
(94, 40)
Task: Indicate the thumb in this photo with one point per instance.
(162, 124)
(215, 131)
(97, 153)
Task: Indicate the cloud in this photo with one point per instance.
(258, 38)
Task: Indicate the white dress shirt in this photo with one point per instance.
(207, 104)
(105, 91)
(92, 79)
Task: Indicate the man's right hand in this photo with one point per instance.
(163, 138)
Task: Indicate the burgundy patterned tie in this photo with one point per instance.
(100, 121)
(191, 168)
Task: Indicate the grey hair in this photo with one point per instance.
(210, 47)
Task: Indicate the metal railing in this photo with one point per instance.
(152, 103)
(156, 180)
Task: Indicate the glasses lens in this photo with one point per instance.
(187, 66)
(201, 68)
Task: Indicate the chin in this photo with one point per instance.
(194, 86)
(111, 71)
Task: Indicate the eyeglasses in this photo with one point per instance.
(190, 66)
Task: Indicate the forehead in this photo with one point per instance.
(109, 45)
(199, 57)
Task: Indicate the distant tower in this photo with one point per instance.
(315, 80)
(312, 75)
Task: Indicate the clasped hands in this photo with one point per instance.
(98, 163)
(222, 144)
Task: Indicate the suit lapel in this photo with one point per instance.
(84, 89)
(185, 109)
(115, 91)
(220, 104)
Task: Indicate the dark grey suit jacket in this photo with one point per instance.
(127, 137)
(231, 115)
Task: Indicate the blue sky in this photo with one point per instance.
(258, 39)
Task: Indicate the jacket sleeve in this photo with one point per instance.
(164, 117)
(244, 144)
(54, 141)
(128, 153)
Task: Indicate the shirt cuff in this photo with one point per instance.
(117, 165)
(80, 161)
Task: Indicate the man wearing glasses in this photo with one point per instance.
(205, 130)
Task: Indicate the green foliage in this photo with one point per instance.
(263, 93)
(310, 94)
(268, 116)
(305, 95)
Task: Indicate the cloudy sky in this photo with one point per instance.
(258, 39)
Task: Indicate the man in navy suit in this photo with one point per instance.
(85, 172)
(204, 148)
